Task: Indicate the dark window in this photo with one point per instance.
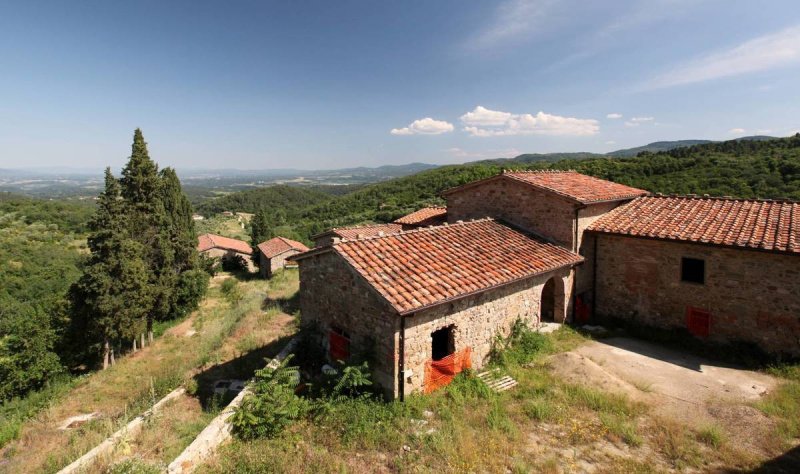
(442, 343)
(693, 270)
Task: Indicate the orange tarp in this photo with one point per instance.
(439, 373)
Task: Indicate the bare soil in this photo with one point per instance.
(686, 389)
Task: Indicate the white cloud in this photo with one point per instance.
(483, 122)
(514, 20)
(425, 126)
(495, 153)
(614, 116)
(611, 142)
(636, 121)
(736, 131)
(758, 54)
(763, 131)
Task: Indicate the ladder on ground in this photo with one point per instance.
(496, 380)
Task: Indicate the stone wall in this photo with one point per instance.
(271, 265)
(586, 217)
(332, 294)
(752, 296)
(545, 213)
(478, 320)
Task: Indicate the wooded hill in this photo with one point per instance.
(740, 168)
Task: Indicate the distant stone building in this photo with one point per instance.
(336, 234)
(225, 248)
(273, 253)
(553, 246)
(425, 217)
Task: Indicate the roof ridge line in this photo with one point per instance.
(721, 198)
(415, 231)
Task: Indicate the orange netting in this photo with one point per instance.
(441, 372)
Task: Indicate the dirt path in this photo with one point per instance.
(687, 389)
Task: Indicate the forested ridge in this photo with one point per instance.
(738, 168)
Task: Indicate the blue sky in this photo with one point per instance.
(332, 84)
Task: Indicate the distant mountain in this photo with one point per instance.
(655, 147)
(529, 158)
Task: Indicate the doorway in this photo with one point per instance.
(443, 342)
(547, 312)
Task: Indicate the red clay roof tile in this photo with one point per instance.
(569, 184)
(424, 217)
(278, 245)
(748, 223)
(420, 268)
(210, 241)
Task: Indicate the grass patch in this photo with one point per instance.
(675, 443)
(14, 412)
(621, 428)
(783, 404)
(711, 435)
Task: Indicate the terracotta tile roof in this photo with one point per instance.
(357, 232)
(569, 184)
(424, 217)
(420, 268)
(210, 241)
(278, 245)
(757, 224)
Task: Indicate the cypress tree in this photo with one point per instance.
(112, 297)
(259, 227)
(149, 225)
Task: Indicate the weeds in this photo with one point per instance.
(711, 435)
(624, 430)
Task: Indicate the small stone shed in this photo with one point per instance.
(419, 296)
(336, 234)
(274, 252)
(723, 269)
(220, 247)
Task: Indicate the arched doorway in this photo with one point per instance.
(547, 304)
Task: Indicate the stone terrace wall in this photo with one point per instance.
(332, 294)
(752, 296)
(520, 204)
(478, 320)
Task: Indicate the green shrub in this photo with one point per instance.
(522, 345)
(231, 291)
(272, 406)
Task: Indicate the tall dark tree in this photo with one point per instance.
(149, 225)
(112, 298)
(260, 229)
(190, 281)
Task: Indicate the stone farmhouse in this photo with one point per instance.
(273, 254)
(223, 248)
(553, 246)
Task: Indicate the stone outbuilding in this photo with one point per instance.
(273, 254)
(223, 248)
(418, 297)
(725, 270)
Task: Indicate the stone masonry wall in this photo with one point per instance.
(752, 296)
(270, 265)
(586, 217)
(478, 320)
(332, 294)
(538, 211)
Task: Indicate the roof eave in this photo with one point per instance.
(483, 290)
(695, 242)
